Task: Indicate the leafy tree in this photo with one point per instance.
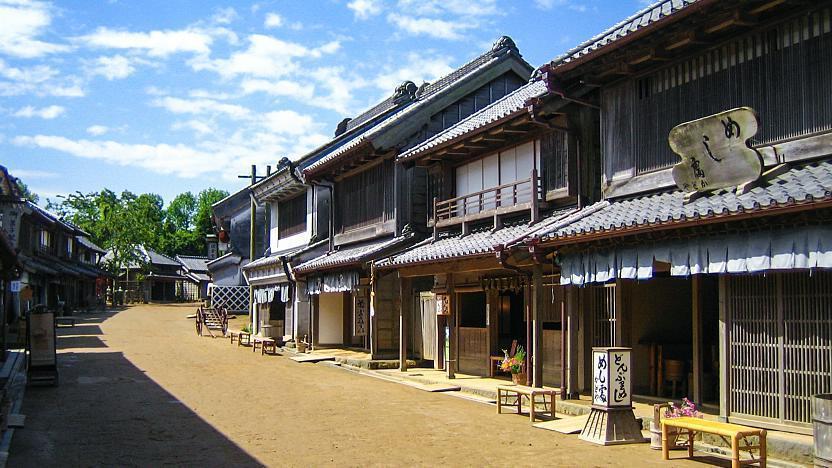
(27, 194)
(202, 219)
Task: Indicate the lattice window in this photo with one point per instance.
(233, 298)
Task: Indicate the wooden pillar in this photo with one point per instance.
(527, 310)
(313, 322)
(373, 321)
(696, 338)
(405, 302)
(452, 357)
(724, 382)
(537, 329)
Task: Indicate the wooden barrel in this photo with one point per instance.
(822, 429)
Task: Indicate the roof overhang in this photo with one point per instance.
(282, 185)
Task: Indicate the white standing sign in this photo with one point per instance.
(612, 386)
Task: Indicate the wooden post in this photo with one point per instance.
(724, 382)
(313, 323)
(373, 323)
(535, 198)
(252, 233)
(404, 311)
(696, 309)
(452, 324)
(527, 310)
(537, 330)
(564, 344)
(435, 207)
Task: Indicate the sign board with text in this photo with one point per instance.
(715, 151)
(359, 314)
(611, 383)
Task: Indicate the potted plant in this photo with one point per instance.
(515, 364)
(672, 410)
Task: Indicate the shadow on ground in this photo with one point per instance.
(108, 412)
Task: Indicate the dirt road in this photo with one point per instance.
(139, 388)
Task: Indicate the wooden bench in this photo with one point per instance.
(70, 321)
(689, 426)
(266, 344)
(519, 391)
(243, 338)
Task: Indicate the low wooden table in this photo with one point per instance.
(266, 345)
(689, 426)
(519, 391)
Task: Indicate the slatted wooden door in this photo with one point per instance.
(473, 350)
(424, 335)
(780, 346)
(602, 307)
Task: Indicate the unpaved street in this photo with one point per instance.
(139, 388)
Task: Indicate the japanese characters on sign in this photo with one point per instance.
(359, 315)
(443, 306)
(715, 151)
(611, 377)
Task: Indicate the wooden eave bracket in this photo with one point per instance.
(735, 18)
(687, 38)
(653, 54)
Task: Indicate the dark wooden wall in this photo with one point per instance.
(783, 73)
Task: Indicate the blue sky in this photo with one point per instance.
(168, 96)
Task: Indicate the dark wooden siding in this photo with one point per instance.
(554, 160)
(783, 73)
(365, 198)
(291, 217)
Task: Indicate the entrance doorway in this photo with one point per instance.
(473, 333)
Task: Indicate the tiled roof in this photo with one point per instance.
(86, 242)
(351, 255)
(495, 111)
(649, 15)
(424, 96)
(804, 183)
(154, 257)
(474, 244)
(193, 263)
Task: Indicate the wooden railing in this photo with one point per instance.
(514, 196)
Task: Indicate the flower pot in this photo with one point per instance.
(519, 378)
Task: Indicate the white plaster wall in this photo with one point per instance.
(291, 242)
(331, 318)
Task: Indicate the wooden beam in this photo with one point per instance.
(765, 6)
(687, 38)
(618, 69)
(485, 262)
(736, 18)
(653, 54)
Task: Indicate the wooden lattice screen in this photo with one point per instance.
(602, 304)
(780, 345)
(233, 298)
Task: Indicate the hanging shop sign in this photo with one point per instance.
(443, 306)
(359, 314)
(715, 151)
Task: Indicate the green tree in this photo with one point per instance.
(202, 219)
(27, 194)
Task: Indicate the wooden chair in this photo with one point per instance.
(494, 361)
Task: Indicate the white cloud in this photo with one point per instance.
(23, 22)
(225, 15)
(33, 174)
(364, 9)
(437, 28)
(112, 68)
(285, 88)
(273, 20)
(47, 113)
(201, 106)
(155, 43)
(340, 85)
(417, 68)
(288, 122)
(97, 130)
(266, 56)
(177, 159)
(452, 7)
(199, 127)
(41, 80)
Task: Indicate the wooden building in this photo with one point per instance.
(721, 289)
(195, 269)
(496, 177)
(379, 207)
(60, 265)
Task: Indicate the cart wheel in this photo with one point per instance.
(198, 327)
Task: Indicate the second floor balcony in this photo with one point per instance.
(521, 195)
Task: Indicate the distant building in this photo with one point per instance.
(196, 270)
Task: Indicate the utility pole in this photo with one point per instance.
(251, 241)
